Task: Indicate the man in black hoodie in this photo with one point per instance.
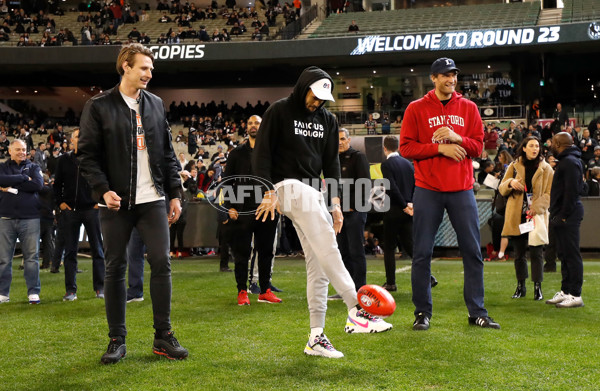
(297, 140)
(566, 213)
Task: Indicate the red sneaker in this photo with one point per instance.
(243, 298)
(268, 297)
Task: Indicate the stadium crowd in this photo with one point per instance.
(103, 23)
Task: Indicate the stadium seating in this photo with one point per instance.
(432, 19)
(151, 27)
(580, 11)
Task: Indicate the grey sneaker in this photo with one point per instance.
(70, 296)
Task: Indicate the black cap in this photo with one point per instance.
(443, 65)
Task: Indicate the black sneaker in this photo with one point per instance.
(274, 288)
(421, 322)
(390, 287)
(434, 281)
(115, 352)
(165, 344)
(483, 321)
(54, 270)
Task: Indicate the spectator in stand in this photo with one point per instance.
(173, 38)
(74, 200)
(297, 7)
(594, 161)
(490, 140)
(40, 157)
(561, 119)
(587, 145)
(134, 34)
(164, 18)
(111, 29)
(532, 131)
(512, 133)
(162, 39)
(203, 35)
(594, 182)
(371, 125)
(235, 30)
(131, 18)
(4, 143)
(53, 160)
(353, 28)
(20, 182)
(144, 39)
(162, 5)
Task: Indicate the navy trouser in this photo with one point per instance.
(47, 236)
(242, 230)
(429, 209)
(397, 230)
(72, 223)
(567, 247)
(59, 243)
(350, 242)
(151, 221)
(135, 261)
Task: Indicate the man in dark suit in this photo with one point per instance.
(397, 222)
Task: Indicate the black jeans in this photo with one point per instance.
(567, 245)
(59, 242)
(397, 229)
(73, 221)
(242, 230)
(520, 244)
(47, 235)
(497, 225)
(135, 260)
(550, 251)
(150, 219)
(350, 243)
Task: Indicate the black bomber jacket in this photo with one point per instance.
(107, 149)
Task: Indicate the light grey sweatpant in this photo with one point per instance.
(305, 206)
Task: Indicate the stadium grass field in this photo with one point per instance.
(57, 345)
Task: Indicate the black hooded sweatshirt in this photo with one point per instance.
(292, 142)
(567, 184)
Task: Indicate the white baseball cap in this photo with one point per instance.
(322, 89)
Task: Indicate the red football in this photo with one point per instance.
(376, 300)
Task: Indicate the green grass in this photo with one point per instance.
(57, 345)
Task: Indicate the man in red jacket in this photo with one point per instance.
(442, 132)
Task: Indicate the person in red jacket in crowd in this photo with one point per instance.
(490, 139)
(442, 132)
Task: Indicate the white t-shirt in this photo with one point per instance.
(145, 191)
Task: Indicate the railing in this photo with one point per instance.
(293, 29)
(498, 111)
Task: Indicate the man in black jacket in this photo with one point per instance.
(125, 154)
(20, 182)
(74, 200)
(354, 166)
(242, 224)
(298, 139)
(566, 214)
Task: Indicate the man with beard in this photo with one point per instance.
(243, 226)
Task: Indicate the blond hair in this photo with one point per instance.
(128, 53)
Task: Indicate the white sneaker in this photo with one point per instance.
(360, 321)
(570, 301)
(558, 297)
(34, 299)
(321, 346)
(4, 299)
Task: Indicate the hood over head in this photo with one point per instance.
(308, 77)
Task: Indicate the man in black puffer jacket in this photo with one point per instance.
(126, 156)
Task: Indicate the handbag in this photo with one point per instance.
(539, 235)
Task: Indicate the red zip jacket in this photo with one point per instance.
(421, 119)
